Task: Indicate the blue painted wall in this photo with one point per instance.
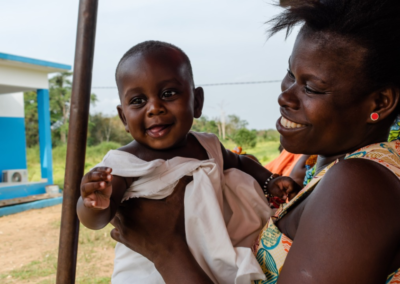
(24, 190)
(31, 205)
(12, 144)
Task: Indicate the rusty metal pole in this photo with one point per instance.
(76, 147)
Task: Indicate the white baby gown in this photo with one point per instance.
(224, 213)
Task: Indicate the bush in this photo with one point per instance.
(245, 138)
(203, 124)
(268, 135)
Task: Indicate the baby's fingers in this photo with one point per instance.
(94, 202)
(98, 174)
(90, 187)
(293, 191)
(290, 187)
(89, 202)
(278, 192)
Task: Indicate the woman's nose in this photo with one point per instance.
(155, 107)
(289, 98)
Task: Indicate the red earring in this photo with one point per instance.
(374, 116)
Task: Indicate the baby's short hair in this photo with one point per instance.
(151, 46)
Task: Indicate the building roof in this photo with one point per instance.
(21, 74)
(31, 63)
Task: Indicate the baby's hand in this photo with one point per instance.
(96, 188)
(283, 187)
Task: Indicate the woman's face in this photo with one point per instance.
(324, 110)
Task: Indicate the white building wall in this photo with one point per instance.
(23, 78)
(12, 105)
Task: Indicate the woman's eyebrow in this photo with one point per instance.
(310, 75)
(318, 79)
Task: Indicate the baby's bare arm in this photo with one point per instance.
(101, 194)
(245, 164)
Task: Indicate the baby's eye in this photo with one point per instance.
(138, 101)
(169, 93)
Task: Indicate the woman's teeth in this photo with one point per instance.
(290, 124)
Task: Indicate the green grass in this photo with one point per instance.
(265, 151)
(91, 239)
(44, 269)
(94, 155)
(35, 269)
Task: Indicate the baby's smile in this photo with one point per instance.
(158, 130)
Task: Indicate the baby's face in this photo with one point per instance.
(158, 99)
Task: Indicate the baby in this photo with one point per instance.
(225, 205)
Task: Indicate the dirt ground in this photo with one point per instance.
(29, 248)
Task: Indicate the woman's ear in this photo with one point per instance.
(122, 117)
(385, 103)
(198, 102)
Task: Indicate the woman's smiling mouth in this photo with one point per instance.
(158, 131)
(286, 123)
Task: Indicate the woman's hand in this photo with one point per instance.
(152, 227)
(156, 230)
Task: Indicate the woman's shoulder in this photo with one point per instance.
(362, 188)
(353, 213)
(386, 154)
(371, 170)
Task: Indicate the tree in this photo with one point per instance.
(106, 128)
(203, 124)
(31, 119)
(245, 138)
(233, 124)
(60, 97)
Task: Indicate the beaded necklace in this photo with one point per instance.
(395, 130)
(311, 165)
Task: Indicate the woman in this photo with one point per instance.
(339, 99)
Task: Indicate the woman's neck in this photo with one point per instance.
(323, 161)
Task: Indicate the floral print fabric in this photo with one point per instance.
(272, 247)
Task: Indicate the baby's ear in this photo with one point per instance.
(198, 101)
(122, 117)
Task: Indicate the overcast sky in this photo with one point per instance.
(225, 40)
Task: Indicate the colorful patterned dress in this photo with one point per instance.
(272, 247)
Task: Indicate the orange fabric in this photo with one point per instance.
(284, 164)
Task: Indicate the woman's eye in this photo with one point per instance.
(137, 101)
(291, 75)
(311, 91)
(168, 94)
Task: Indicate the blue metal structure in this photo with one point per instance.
(46, 159)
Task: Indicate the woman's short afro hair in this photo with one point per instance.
(372, 24)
